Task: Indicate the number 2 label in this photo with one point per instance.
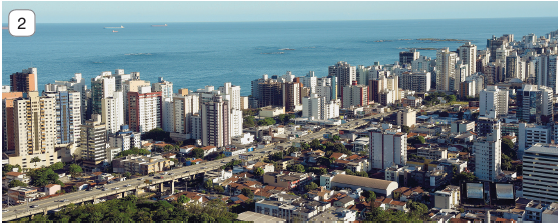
(21, 22)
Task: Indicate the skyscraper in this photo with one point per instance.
(8, 113)
(355, 95)
(387, 148)
(102, 86)
(445, 69)
(68, 113)
(468, 54)
(406, 57)
(112, 111)
(144, 108)
(215, 122)
(163, 86)
(493, 97)
(534, 102)
(291, 93)
(93, 143)
(539, 168)
(345, 73)
(488, 155)
(24, 81)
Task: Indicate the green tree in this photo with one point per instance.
(57, 166)
(417, 140)
(183, 199)
(35, 160)
(464, 176)
(219, 189)
(507, 147)
(505, 162)
(405, 129)
(127, 175)
(336, 137)
(248, 122)
(16, 183)
(311, 186)
(315, 144)
(208, 184)
(296, 168)
(198, 153)
(369, 195)
(247, 192)
(259, 171)
(74, 169)
(267, 121)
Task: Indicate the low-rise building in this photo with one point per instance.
(344, 202)
(290, 207)
(10, 176)
(288, 180)
(342, 181)
(18, 195)
(432, 153)
(244, 139)
(140, 164)
(449, 198)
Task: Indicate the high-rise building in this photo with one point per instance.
(163, 86)
(102, 86)
(112, 111)
(422, 64)
(488, 155)
(406, 57)
(514, 67)
(93, 143)
(184, 108)
(387, 148)
(121, 78)
(291, 94)
(418, 82)
(35, 130)
(77, 83)
(24, 81)
(345, 73)
(466, 89)
(494, 98)
(144, 108)
(318, 108)
(215, 122)
(310, 81)
(530, 134)
(232, 94)
(167, 117)
(445, 69)
(533, 102)
(539, 169)
(325, 87)
(546, 71)
(406, 117)
(355, 95)
(468, 54)
(68, 113)
(362, 74)
(8, 125)
(131, 86)
(269, 93)
(125, 139)
(493, 44)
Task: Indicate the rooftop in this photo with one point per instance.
(259, 218)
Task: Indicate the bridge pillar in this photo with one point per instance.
(136, 192)
(172, 186)
(44, 212)
(161, 187)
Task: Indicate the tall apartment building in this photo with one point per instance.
(102, 86)
(488, 155)
(539, 168)
(493, 44)
(494, 73)
(93, 143)
(112, 111)
(514, 67)
(318, 108)
(269, 93)
(125, 139)
(355, 95)
(422, 64)
(121, 78)
(8, 125)
(494, 98)
(310, 81)
(184, 108)
(232, 94)
(406, 117)
(24, 81)
(418, 82)
(131, 86)
(406, 57)
(387, 148)
(534, 101)
(163, 86)
(77, 83)
(167, 118)
(362, 74)
(215, 122)
(144, 108)
(345, 73)
(35, 130)
(291, 94)
(530, 134)
(466, 89)
(325, 87)
(68, 113)
(546, 71)
(468, 54)
(445, 69)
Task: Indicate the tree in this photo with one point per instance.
(219, 189)
(405, 129)
(57, 166)
(259, 171)
(208, 185)
(247, 192)
(315, 144)
(198, 153)
(416, 140)
(75, 169)
(507, 147)
(369, 195)
(183, 199)
(336, 137)
(16, 183)
(311, 186)
(248, 122)
(464, 176)
(35, 160)
(505, 162)
(267, 121)
(127, 175)
(296, 168)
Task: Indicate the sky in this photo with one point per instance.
(168, 12)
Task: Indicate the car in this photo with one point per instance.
(34, 206)
(129, 185)
(116, 188)
(65, 200)
(5, 210)
(140, 178)
(104, 189)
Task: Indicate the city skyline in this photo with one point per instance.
(126, 12)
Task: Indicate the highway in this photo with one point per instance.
(48, 204)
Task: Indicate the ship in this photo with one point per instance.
(114, 31)
(158, 25)
(4, 27)
(121, 27)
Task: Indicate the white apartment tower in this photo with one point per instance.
(345, 73)
(387, 148)
(318, 108)
(468, 54)
(488, 155)
(144, 109)
(539, 167)
(68, 113)
(184, 108)
(445, 69)
(530, 134)
(163, 86)
(35, 130)
(494, 98)
(112, 114)
(355, 95)
(102, 86)
(215, 122)
(310, 81)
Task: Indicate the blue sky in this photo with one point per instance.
(131, 12)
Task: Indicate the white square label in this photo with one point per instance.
(21, 22)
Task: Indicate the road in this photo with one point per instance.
(82, 196)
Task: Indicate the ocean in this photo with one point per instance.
(193, 55)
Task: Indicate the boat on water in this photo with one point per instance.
(114, 31)
(121, 27)
(158, 25)
(4, 27)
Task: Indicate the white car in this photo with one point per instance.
(5, 210)
(116, 188)
(129, 185)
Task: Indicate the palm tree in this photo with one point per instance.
(35, 160)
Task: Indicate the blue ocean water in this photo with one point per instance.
(192, 55)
